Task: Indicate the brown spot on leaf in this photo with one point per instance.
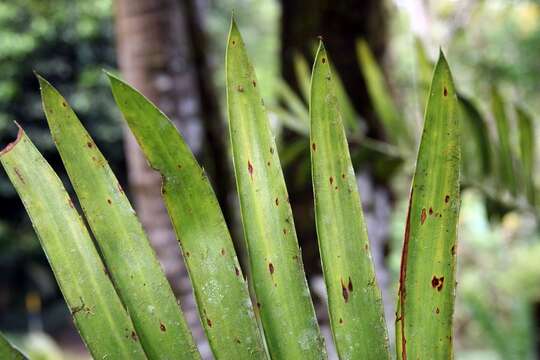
(277, 202)
(423, 216)
(258, 305)
(437, 311)
(237, 340)
(120, 189)
(109, 201)
(64, 104)
(188, 254)
(162, 326)
(271, 150)
(453, 250)
(250, 169)
(430, 211)
(437, 283)
(271, 268)
(447, 198)
(89, 144)
(284, 231)
(445, 91)
(331, 180)
(240, 88)
(254, 83)
(314, 147)
(323, 60)
(222, 252)
(134, 336)
(344, 291)
(268, 163)
(209, 322)
(18, 173)
(237, 271)
(349, 286)
(343, 176)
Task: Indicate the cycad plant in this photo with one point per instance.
(117, 293)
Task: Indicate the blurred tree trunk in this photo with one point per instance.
(340, 23)
(160, 46)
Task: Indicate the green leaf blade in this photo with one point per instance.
(527, 150)
(98, 312)
(355, 303)
(131, 261)
(8, 351)
(279, 281)
(506, 164)
(427, 275)
(394, 125)
(221, 293)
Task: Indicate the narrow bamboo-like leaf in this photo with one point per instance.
(280, 285)
(427, 275)
(96, 308)
(221, 293)
(476, 152)
(8, 351)
(527, 150)
(303, 74)
(293, 102)
(506, 169)
(125, 248)
(354, 299)
(394, 125)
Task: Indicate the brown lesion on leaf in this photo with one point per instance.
(89, 144)
(240, 88)
(209, 322)
(277, 202)
(423, 216)
(188, 254)
(250, 169)
(162, 326)
(109, 201)
(19, 175)
(437, 311)
(350, 285)
(237, 271)
(447, 199)
(430, 211)
(437, 282)
(323, 60)
(453, 250)
(340, 320)
(254, 83)
(445, 92)
(134, 336)
(331, 180)
(120, 190)
(222, 252)
(271, 150)
(314, 147)
(344, 291)
(64, 104)
(271, 268)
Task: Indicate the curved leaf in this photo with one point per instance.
(125, 248)
(427, 275)
(220, 291)
(97, 310)
(354, 299)
(280, 285)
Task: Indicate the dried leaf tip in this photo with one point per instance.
(12, 144)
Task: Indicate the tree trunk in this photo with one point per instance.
(340, 23)
(160, 46)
